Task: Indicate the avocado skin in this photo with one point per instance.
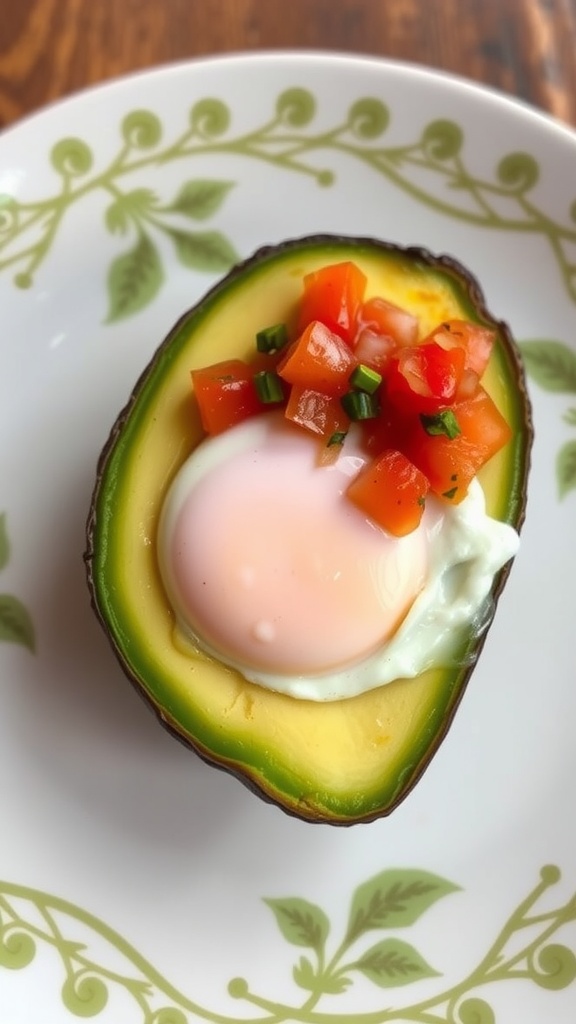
(307, 804)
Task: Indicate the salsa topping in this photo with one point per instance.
(428, 423)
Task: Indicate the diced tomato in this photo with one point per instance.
(373, 349)
(451, 463)
(387, 430)
(476, 341)
(333, 295)
(468, 385)
(391, 491)
(385, 318)
(425, 377)
(320, 413)
(225, 394)
(318, 359)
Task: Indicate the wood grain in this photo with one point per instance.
(51, 48)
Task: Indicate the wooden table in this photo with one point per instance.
(50, 48)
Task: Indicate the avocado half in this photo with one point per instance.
(340, 762)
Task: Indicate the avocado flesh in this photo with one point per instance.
(339, 762)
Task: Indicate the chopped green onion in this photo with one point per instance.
(272, 339)
(359, 405)
(338, 437)
(450, 494)
(268, 387)
(365, 378)
(443, 422)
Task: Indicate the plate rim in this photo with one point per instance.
(105, 91)
(480, 91)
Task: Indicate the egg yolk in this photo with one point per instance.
(270, 564)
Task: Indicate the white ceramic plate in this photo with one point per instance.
(138, 885)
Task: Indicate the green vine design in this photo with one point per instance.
(15, 622)
(392, 900)
(287, 142)
(552, 365)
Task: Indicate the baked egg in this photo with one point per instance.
(270, 569)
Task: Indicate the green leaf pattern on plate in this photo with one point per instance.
(552, 365)
(134, 278)
(300, 922)
(394, 899)
(33, 923)
(200, 199)
(391, 963)
(566, 468)
(15, 622)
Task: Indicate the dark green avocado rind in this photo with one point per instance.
(252, 763)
